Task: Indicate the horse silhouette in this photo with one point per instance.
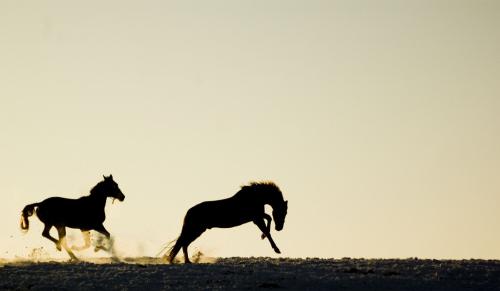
(85, 213)
(245, 206)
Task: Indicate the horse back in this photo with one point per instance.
(223, 213)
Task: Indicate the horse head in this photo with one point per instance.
(274, 198)
(109, 188)
(279, 214)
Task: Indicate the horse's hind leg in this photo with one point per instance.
(188, 238)
(86, 239)
(61, 230)
(186, 255)
(174, 251)
(46, 234)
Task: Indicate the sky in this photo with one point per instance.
(379, 120)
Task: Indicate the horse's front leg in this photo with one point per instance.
(261, 224)
(86, 239)
(106, 233)
(268, 226)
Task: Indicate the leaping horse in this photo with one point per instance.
(245, 206)
(85, 213)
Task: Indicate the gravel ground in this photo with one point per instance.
(253, 273)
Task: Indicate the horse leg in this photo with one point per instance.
(86, 239)
(174, 251)
(188, 238)
(186, 255)
(103, 230)
(261, 224)
(46, 234)
(61, 230)
(268, 226)
(106, 233)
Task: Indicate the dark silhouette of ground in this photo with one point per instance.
(258, 273)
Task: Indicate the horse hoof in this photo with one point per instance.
(262, 236)
(59, 248)
(277, 251)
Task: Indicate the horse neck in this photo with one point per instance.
(99, 199)
(272, 200)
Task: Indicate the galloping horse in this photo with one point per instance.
(245, 206)
(85, 213)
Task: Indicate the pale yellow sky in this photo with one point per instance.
(380, 120)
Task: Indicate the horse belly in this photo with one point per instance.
(229, 219)
(229, 224)
(221, 214)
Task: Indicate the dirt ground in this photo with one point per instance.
(252, 273)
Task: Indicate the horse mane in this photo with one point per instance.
(95, 189)
(261, 185)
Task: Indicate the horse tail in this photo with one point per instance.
(28, 211)
(166, 248)
(174, 249)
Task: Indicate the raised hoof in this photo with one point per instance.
(277, 251)
(58, 247)
(262, 236)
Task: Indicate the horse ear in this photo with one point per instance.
(111, 176)
(104, 177)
